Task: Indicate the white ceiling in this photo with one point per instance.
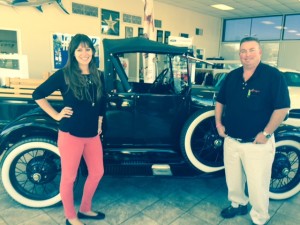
(242, 8)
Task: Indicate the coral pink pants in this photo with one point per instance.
(71, 150)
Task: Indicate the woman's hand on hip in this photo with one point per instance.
(66, 112)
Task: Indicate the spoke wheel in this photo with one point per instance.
(31, 172)
(285, 170)
(200, 143)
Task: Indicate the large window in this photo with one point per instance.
(235, 30)
(267, 28)
(264, 28)
(292, 27)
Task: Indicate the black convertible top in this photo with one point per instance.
(139, 44)
(114, 47)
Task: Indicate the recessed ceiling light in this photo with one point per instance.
(267, 22)
(223, 7)
(281, 27)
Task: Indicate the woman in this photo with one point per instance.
(81, 86)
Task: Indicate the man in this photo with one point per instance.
(251, 104)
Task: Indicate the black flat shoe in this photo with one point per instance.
(68, 222)
(99, 216)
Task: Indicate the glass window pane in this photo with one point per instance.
(9, 49)
(267, 28)
(270, 52)
(180, 74)
(235, 30)
(292, 27)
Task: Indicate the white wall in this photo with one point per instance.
(289, 55)
(35, 28)
(183, 21)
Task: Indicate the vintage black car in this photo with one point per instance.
(150, 128)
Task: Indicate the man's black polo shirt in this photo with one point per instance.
(249, 105)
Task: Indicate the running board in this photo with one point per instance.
(161, 170)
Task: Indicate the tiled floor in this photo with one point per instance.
(152, 201)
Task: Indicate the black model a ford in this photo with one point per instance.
(165, 127)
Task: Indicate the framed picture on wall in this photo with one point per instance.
(157, 23)
(184, 35)
(167, 34)
(127, 18)
(110, 22)
(60, 44)
(199, 31)
(137, 20)
(84, 9)
(159, 36)
(140, 32)
(128, 32)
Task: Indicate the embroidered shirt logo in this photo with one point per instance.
(250, 91)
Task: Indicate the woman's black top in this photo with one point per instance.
(84, 121)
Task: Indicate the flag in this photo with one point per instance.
(149, 60)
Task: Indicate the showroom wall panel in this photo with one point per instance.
(36, 28)
(289, 55)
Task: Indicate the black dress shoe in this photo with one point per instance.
(231, 212)
(99, 216)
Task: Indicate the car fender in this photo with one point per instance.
(203, 97)
(26, 126)
(285, 131)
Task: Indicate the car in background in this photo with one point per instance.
(205, 89)
(204, 92)
(293, 81)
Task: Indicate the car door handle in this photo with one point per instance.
(121, 103)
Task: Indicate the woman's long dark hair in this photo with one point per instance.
(73, 74)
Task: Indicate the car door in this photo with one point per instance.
(158, 119)
(119, 129)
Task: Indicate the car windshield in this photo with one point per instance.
(171, 72)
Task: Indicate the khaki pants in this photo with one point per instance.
(251, 163)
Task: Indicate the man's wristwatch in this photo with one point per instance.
(267, 135)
